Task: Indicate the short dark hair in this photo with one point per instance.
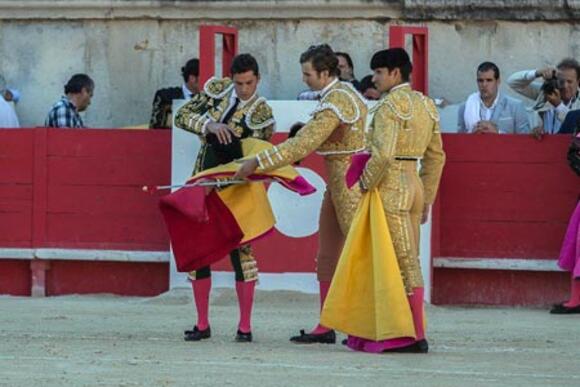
(322, 58)
(393, 58)
(366, 83)
(486, 66)
(191, 68)
(570, 63)
(347, 58)
(77, 83)
(243, 63)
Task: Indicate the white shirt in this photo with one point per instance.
(485, 112)
(8, 118)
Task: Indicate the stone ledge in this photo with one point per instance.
(524, 10)
(199, 10)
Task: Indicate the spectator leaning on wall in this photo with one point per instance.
(555, 91)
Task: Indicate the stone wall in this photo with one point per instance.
(133, 48)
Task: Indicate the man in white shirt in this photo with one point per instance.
(550, 108)
(490, 111)
(8, 117)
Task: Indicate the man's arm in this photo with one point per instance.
(192, 115)
(432, 165)
(306, 141)
(386, 126)
(523, 83)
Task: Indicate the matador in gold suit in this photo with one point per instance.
(335, 131)
(404, 130)
(219, 103)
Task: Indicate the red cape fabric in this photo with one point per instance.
(201, 228)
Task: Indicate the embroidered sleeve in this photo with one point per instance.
(307, 140)
(192, 116)
(382, 140)
(432, 165)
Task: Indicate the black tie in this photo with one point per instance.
(230, 112)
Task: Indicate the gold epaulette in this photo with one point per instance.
(342, 102)
(218, 88)
(259, 115)
(430, 107)
(399, 103)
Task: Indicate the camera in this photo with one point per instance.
(551, 85)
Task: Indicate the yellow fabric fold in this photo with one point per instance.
(367, 297)
(249, 204)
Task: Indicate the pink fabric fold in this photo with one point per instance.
(357, 166)
(570, 253)
(299, 184)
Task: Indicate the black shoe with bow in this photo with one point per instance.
(311, 338)
(196, 334)
(242, 337)
(563, 309)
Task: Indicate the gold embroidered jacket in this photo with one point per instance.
(336, 128)
(252, 118)
(405, 124)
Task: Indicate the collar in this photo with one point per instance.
(401, 86)
(242, 103)
(327, 88)
(67, 101)
(493, 105)
(186, 92)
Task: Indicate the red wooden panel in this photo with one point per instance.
(506, 148)
(39, 189)
(298, 255)
(107, 231)
(107, 143)
(493, 287)
(127, 279)
(16, 169)
(14, 277)
(467, 179)
(501, 239)
(112, 170)
(16, 228)
(102, 199)
(498, 206)
(17, 142)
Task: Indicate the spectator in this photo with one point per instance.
(489, 110)
(8, 117)
(555, 91)
(368, 89)
(347, 69)
(65, 113)
(161, 115)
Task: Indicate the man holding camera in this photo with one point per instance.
(555, 90)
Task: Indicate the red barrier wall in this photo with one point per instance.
(503, 197)
(81, 189)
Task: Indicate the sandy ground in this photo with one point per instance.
(115, 341)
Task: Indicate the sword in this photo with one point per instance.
(213, 183)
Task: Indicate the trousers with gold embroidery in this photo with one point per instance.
(243, 263)
(402, 196)
(336, 214)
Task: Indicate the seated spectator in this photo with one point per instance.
(346, 68)
(65, 113)
(161, 115)
(368, 89)
(555, 91)
(489, 110)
